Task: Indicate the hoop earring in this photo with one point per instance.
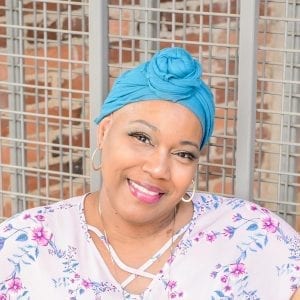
(92, 160)
(192, 195)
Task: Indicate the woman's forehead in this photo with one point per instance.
(159, 107)
(160, 113)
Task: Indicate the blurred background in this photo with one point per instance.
(58, 60)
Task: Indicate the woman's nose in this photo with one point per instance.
(158, 165)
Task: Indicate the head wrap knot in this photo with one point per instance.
(173, 75)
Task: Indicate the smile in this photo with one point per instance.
(145, 194)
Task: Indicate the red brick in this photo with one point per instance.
(35, 92)
(39, 181)
(215, 8)
(219, 7)
(79, 140)
(2, 8)
(5, 154)
(126, 51)
(4, 126)
(262, 115)
(170, 18)
(117, 29)
(77, 25)
(125, 2)
(194, 48)
(7, 210)
(34, 153)
(31, 123)
(80, 83)
(265, 9)
(48, 6)
(231, 66)
(222, 93)
(33, 35)
(3, 39)
(77, 54)
(56, 193)
(64, 112)
(3, 68)
(226, 188)
(4, 99)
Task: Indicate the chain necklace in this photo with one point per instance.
(137, 272)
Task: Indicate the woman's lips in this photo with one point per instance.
(145, 193)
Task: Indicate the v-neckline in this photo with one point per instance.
(163, 271)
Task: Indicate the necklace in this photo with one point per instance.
(134, 273)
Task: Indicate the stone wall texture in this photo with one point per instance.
(56, 82)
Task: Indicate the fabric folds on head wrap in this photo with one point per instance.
(172, 74)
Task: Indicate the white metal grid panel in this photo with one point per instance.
(277, 168)
(210, 29)
(138, 28)
(44, 109)
(216, 35)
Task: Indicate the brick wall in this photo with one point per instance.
(59, 89)
(218, 177)
(55, 93)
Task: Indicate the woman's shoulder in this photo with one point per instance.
(40, 213)
(255, 239)
(39, 221)
(38, 238)
(231, 217)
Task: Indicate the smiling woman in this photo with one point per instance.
(143, 235)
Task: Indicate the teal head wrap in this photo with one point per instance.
(173, 75)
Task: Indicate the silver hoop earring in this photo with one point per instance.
(92, 160)
(192, 195)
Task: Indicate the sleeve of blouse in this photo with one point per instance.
(286, 244)
(18, 250)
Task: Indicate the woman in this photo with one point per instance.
(142, 235)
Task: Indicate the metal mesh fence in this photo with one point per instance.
(44, 106)
(277, 170)
(44, 102)
(211, 31)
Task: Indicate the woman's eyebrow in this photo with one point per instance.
(190, 143)
(183, 143)
(145, 123)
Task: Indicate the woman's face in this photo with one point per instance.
(150, 151)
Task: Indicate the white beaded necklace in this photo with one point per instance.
(141, 270)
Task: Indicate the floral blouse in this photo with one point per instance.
(231, 249)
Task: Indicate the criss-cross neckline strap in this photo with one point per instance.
(141, 270)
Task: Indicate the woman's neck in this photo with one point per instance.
(126, 231)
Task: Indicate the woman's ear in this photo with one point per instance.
(103, 129)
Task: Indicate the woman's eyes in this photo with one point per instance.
(186, 155)
(146, 139)
(141, 137)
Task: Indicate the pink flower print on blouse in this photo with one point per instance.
(253, 207)
(210, 237)
(270, 224)
(227, 288)
(14, 285)
(26, 216)
(224, 278)
(41, 236)
(229, 231)
(237, 269)
(2, 297)
(40, 218)
(172, 284)
(86, 284)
